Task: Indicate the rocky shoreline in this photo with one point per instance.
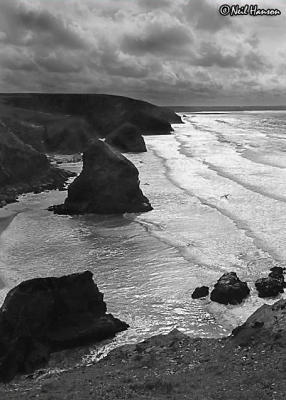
(52, 179)
(175, 366)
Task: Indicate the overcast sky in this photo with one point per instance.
(168, 52)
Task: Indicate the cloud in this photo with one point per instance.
(25, 26)
(59, 63)
(211, 54)
(165, 51)
(152, 5)
(15, 61)
(159, 36)
(204, 15)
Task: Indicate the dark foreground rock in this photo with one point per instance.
(229, 289)
(44, 315)
(273, 285)
(108, 184)
(199, 292)
(127, 138)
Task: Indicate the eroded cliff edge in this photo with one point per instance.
(24, 169)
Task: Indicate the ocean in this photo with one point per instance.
(218, 188)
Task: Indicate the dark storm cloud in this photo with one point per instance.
(26, 26)
(255, 62)
(158, 39)
(152, 5)
(123, 67)
(14, 61)
(59, 63)
(204, 15)
(211, 54)
(167, 51)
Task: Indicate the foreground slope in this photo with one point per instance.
(177, 367)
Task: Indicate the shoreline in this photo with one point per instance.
(5, 221)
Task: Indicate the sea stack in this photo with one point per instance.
(108, 184)
(273, 285)
(127, 138)
(229, 289)
(43, 315)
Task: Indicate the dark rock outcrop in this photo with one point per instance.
(127, 139)
(23, 169)
(272, 285)
(28, 132)
(278, 273)
(266, 325)
(67, 135)
(108, 184)
(199, 292)
(44, 315)
(268, 287)
(229, 289)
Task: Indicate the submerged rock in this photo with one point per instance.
(229, 289)
(199, 292)
(108, 184)
(266, 325)
(127, 139)
(44, 315)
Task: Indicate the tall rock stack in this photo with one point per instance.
(108, 184)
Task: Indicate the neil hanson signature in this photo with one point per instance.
(248, 9)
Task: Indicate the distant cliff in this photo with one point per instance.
(103, 112)
(24, 169)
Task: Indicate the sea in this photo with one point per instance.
(218, 188)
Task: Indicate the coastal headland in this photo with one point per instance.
(249, 364)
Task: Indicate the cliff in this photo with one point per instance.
(103, 112)
(127, 139)
(24, 169)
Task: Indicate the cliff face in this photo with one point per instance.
(18, 161)
(103, 112)
(127, 138)
(67, 135)
(24, 169)
(28, 132)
